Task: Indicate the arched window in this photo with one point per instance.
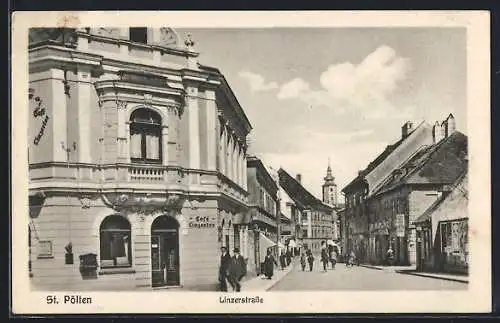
(145, 136)
(116, 243)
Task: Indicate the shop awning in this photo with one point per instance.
(264, 243)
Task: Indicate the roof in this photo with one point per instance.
(377, 161)
(253, 161)
(441, 163)
(231, 96)
(298, 193)
(427, 215)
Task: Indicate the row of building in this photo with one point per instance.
(139, 169)
(412, 199)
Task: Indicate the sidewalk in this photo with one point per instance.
(390, 268)
(260, 283)
(457, 278)
(412, 270)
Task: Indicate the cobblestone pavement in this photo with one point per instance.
(359, 278)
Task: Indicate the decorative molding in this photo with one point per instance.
(170, 204)
(168, 37)
(148, 99)
(121, 104)
(86, 202)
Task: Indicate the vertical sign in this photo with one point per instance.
(400, 225)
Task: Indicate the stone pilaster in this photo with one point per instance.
(211, 123)
(84, 115)
(59, 115)
(192, 110)
(121, 139)
(164, 144)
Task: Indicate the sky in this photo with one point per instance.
(338, 94)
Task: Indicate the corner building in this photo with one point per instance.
(137, 161)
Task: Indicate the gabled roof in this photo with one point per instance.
(438, 204)
(377, 161)
(298, 193)
(441, 163)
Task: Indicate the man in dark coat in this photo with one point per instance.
(225, 260)
(237, 270)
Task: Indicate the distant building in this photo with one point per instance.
(330, 198)
(314, 222)
(263, 201)
(137, 161)
(329, 187)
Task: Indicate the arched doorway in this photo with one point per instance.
(165, 268)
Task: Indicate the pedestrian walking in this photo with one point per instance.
(282, 260)
(310, 259)
(390, 256)
(269, 263)
(237, 270)
(333, 258)
(324, 256)
(288, 257)
(303, 261)
(225, 260)
(351, 259)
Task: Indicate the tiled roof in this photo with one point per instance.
(441, 163)
(377, 161)
(427, 215)
(297, 192)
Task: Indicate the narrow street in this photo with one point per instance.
(359, 278)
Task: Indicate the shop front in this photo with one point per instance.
(454, 253)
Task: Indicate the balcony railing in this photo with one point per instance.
(147, 173)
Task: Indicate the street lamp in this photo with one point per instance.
(69, 247)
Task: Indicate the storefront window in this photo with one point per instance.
(115, 242)
(145, 136)
(455, 244)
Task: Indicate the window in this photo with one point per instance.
(145, 137)
(116, 245)
(139, 35)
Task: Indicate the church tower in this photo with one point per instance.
(329, 187)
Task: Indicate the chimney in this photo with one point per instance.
(299, 178)
(451, 126)
(406, 129)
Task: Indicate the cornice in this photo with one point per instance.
(126, 42)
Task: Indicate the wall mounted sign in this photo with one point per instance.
(39, 112)
(400, 225)
(45, 249)
(201, 222)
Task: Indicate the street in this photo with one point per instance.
(359, 278)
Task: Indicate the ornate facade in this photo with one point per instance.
(137, 161)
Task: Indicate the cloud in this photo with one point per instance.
(257, 82)
(345, 86)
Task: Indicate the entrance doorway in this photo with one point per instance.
(165, 268)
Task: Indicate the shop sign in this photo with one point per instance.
(400, 225)
(201, 222)
(39, 112)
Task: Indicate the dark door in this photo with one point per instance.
(165, 267)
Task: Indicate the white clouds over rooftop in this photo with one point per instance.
(364, 85)
(257, 82)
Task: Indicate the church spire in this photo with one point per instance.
(329, 176)
(329, 187)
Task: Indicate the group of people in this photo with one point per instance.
(329, 255)
(231, 269)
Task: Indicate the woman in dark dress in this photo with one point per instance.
(269, 263)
